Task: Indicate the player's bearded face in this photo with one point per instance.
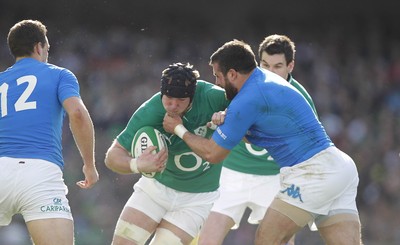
(230, 91)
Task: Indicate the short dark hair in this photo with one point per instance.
(236, 55)
(179, 81)
(278, 44)
(24, 35)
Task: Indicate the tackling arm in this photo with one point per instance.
(207, 149)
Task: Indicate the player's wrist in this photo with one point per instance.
(180, 130)
(133, 166)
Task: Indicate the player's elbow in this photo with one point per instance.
(214, 158)
(111, 165)
(215, 153)
(108, 161)
(78, 115)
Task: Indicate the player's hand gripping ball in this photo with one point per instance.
(145, 137)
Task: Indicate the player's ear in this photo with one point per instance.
(231, 74)
(290, 66)
(37, 48)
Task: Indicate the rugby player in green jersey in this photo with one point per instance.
(175, 203)
(250, 176)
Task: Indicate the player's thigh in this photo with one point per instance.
(241, 190)
(135, 226)
(9, 171)
(134, 216)
(215, 229)
(173, 232)
(143, 210)
(51, 231)
(277, 227)
(187, 218)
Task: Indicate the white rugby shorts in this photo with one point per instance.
(32, 187)
(188, 211)
(241, 190)
(324, 184)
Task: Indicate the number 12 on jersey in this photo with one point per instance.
(21, 104)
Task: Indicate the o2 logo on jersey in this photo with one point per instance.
(198, 162)
(21, 103)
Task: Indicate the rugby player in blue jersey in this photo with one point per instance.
(35, 97)
(250, 176)
(318, 181)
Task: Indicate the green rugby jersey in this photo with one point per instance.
(185, 171)
(251, 159)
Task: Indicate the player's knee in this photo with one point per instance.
(350, 218)
(131, 232)
(165, 237)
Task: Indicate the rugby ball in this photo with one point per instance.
(145, 137)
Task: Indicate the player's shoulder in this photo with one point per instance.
(208, 91)
(298, 86)
(154, 100)
(262, 78)
(294, 82)
(150, 108)
(204, 86)
(55, 71)
(57, 68)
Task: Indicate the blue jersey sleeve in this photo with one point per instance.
(68, 86)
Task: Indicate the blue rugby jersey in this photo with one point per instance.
(31, 112)
(272, 114)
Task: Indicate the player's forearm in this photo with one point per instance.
(83, 131)
(203, 147)
(118, 160)
(198, 144)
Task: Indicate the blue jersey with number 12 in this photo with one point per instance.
(31, 112)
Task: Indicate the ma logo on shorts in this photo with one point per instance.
(293, 192)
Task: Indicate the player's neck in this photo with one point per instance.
(242, 78)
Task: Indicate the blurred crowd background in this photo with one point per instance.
(348, 58)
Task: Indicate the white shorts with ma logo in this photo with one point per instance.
(323, 185)
(32, 187)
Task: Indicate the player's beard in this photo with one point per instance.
(230, 91)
